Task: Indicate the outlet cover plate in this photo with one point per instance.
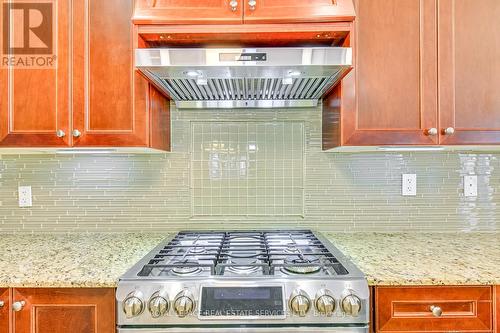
(409, 184)
(25, 199)
(470, 186)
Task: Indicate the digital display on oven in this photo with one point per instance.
(242, 302)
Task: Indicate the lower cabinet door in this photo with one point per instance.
(4, 310)
(434, 309)
(63, 310)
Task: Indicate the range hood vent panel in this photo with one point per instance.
(243, 78)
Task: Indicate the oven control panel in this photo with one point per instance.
(237, 302)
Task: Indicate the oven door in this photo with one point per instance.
(247, 330)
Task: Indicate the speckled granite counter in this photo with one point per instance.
(98, 260)
(424, 259)
(79, 260)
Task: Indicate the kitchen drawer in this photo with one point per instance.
(408, 309)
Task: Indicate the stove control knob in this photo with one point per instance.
(133, 305)
(325, 302)
(351, 304)
(184, 303)
(299, 302)
(158, 304)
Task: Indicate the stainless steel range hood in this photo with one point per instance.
(245, 78)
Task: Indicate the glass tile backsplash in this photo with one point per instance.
(248, 169)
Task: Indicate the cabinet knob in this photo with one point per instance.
(2, 303)
(432, 131)
(76, 133)
(252, 4)
(234, 5)
(449, 131)
(18, 306)
(60, 134)
(436, 310)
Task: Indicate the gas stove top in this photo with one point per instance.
(249, 278)
(243, 254)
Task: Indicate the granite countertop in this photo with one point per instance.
(77, 260)
(424, 258)
(98, 260)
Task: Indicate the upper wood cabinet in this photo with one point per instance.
(93, 97)
(188, 12)
(426, 72)
(390, 97)
(105, 112)
(469, 71)
(4, 310)
(285, 11)
(34, 102)
(64, 310)
(241, 11)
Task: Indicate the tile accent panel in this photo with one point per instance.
(161, 192)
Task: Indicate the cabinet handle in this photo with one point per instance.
(60, 134)
(432, 131)
(449, 131)
(18, 306)
(77, 133)
(436, 310)
(234, 5)
(252, 4)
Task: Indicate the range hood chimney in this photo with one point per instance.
(246, 77)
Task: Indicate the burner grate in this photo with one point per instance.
(243, 253)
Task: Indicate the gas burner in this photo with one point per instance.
(186, 270)
(243, 267)
(243, 253)
(291, 248)
(243, 239)
(303, 268)
(197, 250)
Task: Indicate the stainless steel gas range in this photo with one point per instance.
(244, 281)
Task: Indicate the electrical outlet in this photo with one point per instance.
(470, 186)
(25, 199)
(409, 184)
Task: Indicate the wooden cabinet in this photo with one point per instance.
(409, 309)
(497, 308)
(104, 109)
(94, 97)
(421, 67)
(286, 11)
(34, 102)
(390, 97)
(188, 12)
(469, 75)
(64, 310)
(4, 310)
(241, 11)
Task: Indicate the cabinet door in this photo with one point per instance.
(105, 110)
(469, 61)
(4, 310)
(410, 309)
(284, 11)
(65, 310)
(394, 77)
(188, 12)
(34, 100)
(497, 306)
